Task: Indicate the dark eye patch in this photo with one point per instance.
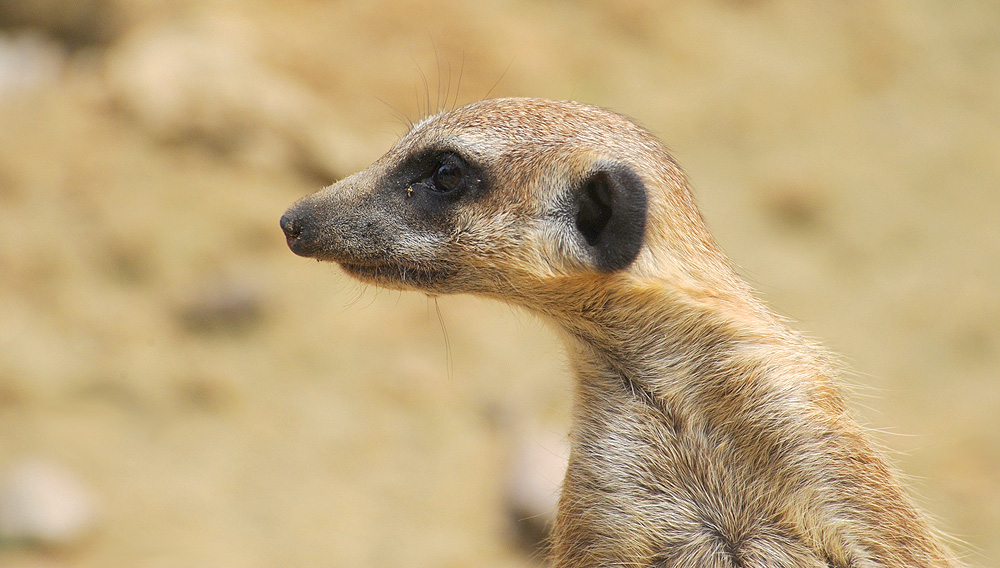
(439, 173)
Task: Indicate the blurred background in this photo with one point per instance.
(178, 389)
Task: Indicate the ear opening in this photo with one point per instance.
(611, 216)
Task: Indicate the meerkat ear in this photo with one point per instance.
(611, 215)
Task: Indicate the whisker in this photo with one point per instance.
(458, 87)
(502, 75)
(397, 113)
(426, 111)
(449, 364)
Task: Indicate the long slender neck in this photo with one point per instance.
(702, 418)
(677, 343)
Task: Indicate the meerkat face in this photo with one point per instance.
(484, 199)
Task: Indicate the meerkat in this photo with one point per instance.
(706, 433)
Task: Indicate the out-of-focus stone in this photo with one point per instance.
(200, 79)
(229, 306)
(78, 23)
(28, 61)
(44, 504)
(794, 205)
(536, 472)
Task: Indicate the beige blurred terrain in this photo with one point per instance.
(229, 404)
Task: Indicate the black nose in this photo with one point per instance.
(292, 228)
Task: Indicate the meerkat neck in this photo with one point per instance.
(669, 341)
(672, 384)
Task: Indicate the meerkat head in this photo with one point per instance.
(495, 196)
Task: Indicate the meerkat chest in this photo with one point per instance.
(652, 486)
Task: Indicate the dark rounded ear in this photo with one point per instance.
(611, 215)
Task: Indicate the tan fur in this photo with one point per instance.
(706, 432)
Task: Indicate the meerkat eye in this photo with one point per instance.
(447, 176)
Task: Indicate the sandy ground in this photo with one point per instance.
(232, 405)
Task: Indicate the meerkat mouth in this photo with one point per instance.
(392, 274)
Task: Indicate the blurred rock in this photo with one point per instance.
(794, 205)
(199, 79)
(231, 306)
(536, 472)
(43, 504)
(27, 61)
(213, 394)
(78, 23)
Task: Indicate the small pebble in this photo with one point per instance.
(229, 307)
(794, 205)
(45, 505)
(534, 478)
(28, 61)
